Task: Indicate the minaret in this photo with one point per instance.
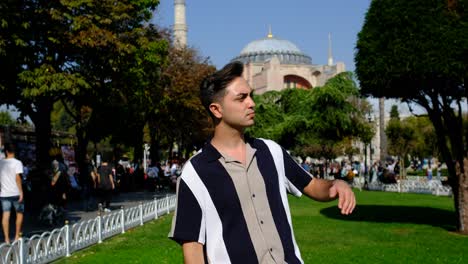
(330, 55)
(180, 27)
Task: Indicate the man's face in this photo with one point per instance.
(237, 108)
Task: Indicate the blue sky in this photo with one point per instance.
(221, 28)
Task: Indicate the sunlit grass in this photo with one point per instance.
(385, 228)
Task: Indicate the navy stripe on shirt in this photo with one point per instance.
(187, 208)
(220, 186)
(270, 176)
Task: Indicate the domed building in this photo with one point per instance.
(275, 64)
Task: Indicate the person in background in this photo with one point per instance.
(11, 191)
(106, 185)
(59, 185)
(88, 181)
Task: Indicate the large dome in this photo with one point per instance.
(262, 50)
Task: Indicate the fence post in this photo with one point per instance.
(155, 200)
(122, 216)
(67, 239)
(99, 227)
(140, 207)
(167, 203)
(22, 250)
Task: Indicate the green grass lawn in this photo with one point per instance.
(385, 228)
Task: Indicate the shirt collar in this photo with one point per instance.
(212, 154)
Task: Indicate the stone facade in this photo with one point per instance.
(273, 64)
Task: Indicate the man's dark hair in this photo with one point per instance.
(10, 147)
(213, 86)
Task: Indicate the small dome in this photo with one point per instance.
(263, 50)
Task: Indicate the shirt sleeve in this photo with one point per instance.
(19, 167)
(297, 177)
(187, 223)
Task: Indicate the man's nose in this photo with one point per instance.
(251, 102)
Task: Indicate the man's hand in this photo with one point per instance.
(20, 200)
(346, 199)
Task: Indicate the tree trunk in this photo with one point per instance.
(154, 150)
(461, 196)
(138, 144)
(43, 132)
(81, 149)
(383, 138)
(402, 166)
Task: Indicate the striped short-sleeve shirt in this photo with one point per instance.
(240, 213)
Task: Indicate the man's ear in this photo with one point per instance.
(217, 110)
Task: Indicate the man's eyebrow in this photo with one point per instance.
(242, 94)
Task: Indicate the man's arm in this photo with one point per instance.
(93, 176)
(55, 178)
(193, 253)
(324, 190)
(111, 179)
(20, 187)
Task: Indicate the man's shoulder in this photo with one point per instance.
(11, 161)
(269, 144)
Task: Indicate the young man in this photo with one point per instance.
(106, 185)
(232, 196)
(11, 191)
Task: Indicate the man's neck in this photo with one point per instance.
(10, 156)
(227, 138)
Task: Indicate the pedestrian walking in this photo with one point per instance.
(11, 191)
(106, 185)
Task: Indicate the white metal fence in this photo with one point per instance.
(433, 187)
(62, 242)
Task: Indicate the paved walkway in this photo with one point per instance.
(75, 212)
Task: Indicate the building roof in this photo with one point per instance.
(262, 50)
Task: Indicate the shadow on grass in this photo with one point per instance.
(397, 214)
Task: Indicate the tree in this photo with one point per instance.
(416, 50)
(401, 137)
(394, 114)
(181, 117)
(425, 142)
(34, 65)
(6, 119)
(121, 56)
(93, 56)
(321, 122)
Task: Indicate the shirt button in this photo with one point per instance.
(271, 250)
(261, 222)
(253, 195)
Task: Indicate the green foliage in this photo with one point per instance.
(61, 120)
(101, 59)
(6, 119)
(313, 122)
(394, 114)
(400, 136)
(416, 50)
(425, 142)
(180, 117)
(411, 46)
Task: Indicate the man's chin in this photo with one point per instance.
(250, 123)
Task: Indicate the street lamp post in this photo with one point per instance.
(146, 149)
(369, 118)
